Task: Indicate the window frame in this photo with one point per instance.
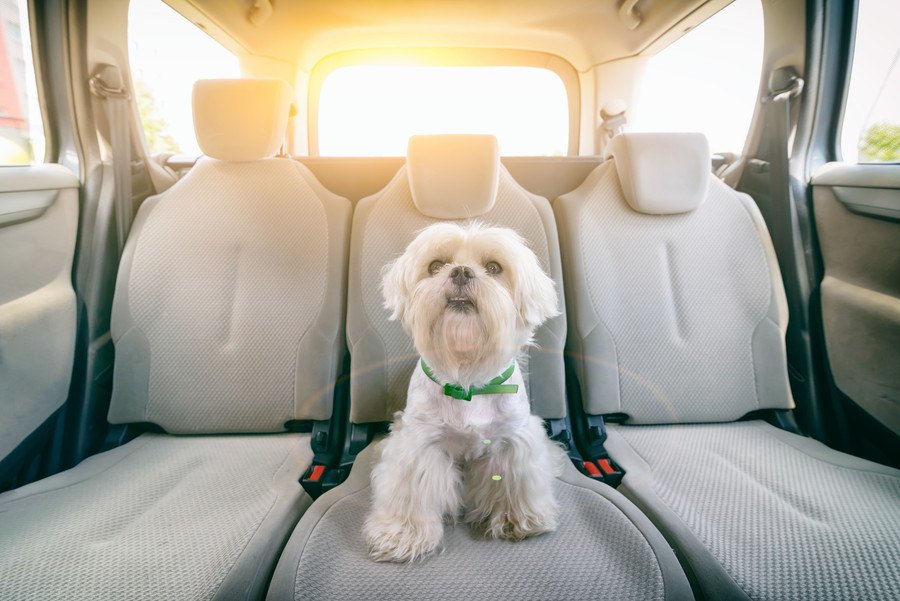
(445, 57)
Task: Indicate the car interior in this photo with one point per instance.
(198, 199)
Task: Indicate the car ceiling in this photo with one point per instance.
(584, 32)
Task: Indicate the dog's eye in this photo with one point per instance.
(435, 267)
(493, 268)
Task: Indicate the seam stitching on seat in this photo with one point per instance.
(535, 201)
(591, 197)
(322, 303)
(134, 326)
(362, 299)
(316, 525)
(258, 526)
(634, 449)
(647, 511)
(764, 427)
(688, 557)
(89, 476)
(768, 272)
(633, 525)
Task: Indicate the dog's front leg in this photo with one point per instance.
(413, 486)
(509, 491)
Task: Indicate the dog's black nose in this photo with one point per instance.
(461, 275)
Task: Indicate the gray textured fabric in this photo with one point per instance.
(229, 302)
(595, 554)
(674, 318)
(603, 549)
(38, 224)
(383, 354)
(784, 516)
(162, 517)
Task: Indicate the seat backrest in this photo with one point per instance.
(443, 170)
(228, 310)
(677, 310)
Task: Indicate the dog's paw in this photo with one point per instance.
(518, 526)
(402, 540)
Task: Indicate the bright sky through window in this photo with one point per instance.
(168, 54)
(372, 110)
(874, 94)
(708, 80)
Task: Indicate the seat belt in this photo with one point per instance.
(107, 84)
(612, 122)
(778, 110)
(784, 222)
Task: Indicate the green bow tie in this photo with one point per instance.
(495, 386)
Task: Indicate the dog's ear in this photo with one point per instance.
(535, 295)
(395, 286)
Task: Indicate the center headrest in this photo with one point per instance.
(241, 119)
(664, 173)
(453, 176)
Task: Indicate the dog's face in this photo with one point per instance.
(468, 295)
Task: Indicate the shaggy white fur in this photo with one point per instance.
(471, 297)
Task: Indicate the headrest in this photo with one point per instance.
(241, 119)
(662, 174)
(453, 176)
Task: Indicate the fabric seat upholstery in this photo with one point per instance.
(162, 517)
(228, 318)
(603, 548)
(677, 315)
(773, 514)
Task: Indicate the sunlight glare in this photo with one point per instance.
(371, 110)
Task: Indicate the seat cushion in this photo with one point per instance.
(603, 549)
(764, 514)
(161, 517)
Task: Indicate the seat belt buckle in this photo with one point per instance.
(319, 479)
(603, 469)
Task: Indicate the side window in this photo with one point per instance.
(164, 67)
(707, 80)
(870, 132)
(21, 129)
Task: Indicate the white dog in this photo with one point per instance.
(467, 445)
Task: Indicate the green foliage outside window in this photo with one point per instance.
(880, 144)
(155, 127)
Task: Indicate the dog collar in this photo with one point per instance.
(495, 386)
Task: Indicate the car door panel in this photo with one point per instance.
(857, 209)
(38, 223)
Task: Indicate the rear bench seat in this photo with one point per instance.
(677, 317)
(756, 512)
(228, 318)
(603, 548)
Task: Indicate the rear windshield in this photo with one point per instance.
(372, 110)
